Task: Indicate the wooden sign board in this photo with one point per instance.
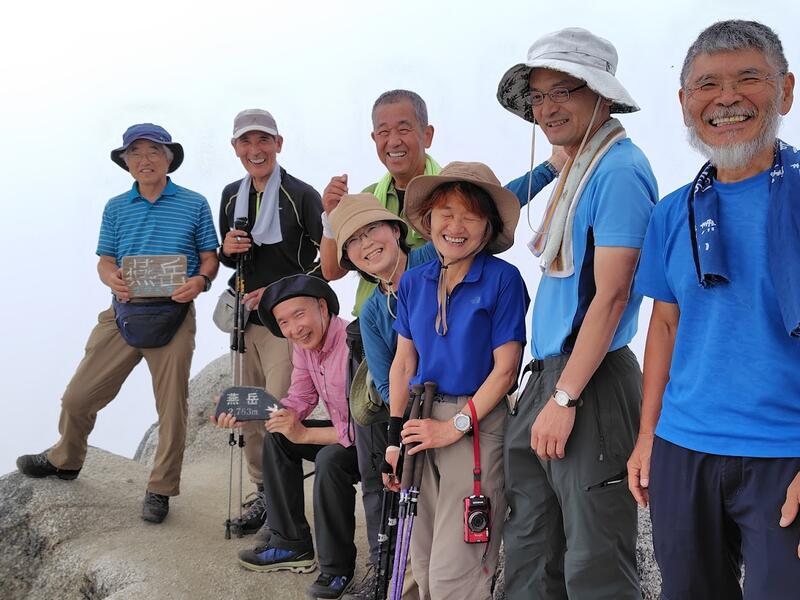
(154, 276)
(247, 403)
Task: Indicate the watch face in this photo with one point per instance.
(561, 398)
(461, 422)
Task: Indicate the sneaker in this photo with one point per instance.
(155, 507)
(255, 515)
(365, 590)
(266, 558)
(263, 535)
(330, 586)
(37, 465)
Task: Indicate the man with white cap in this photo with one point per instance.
(281, 238)
(572, 528)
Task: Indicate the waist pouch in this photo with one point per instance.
(149, 324)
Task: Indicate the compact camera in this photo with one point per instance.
(476, 519)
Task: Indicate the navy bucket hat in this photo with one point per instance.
(153, 133)
(294, 286)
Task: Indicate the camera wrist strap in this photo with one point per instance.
(476, 447)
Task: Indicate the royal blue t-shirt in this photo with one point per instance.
(734, 386)
(377, 325)
(613, 210)
(486, 310)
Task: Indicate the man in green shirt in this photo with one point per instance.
(401, 134)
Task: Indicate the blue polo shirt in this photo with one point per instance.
(377, 325)
(486, 310)
(613, 210)
(178, 222)
(734, 381)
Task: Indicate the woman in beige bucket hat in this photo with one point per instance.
(461, 324)
(372, 240)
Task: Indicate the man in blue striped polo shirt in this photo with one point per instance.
(155, 217)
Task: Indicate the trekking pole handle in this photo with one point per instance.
(409, 459)
(426, 410)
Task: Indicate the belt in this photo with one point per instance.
(448, 399)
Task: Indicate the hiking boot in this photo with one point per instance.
(255, 515)
(330, 586)
(155, 507)
(365, 589)
(266, 558)
(37, 465)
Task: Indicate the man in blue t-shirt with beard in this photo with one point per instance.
(718, 453)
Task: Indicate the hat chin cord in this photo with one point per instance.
(441, 288)
(388, 284)
(567, 167)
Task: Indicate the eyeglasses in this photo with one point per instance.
(745, 85)
(370, 232)
(151, 154)
(558, 95)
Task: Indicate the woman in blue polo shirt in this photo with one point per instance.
(460, 323)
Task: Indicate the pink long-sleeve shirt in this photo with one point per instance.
(322, 374)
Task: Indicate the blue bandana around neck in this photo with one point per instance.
(783, 232)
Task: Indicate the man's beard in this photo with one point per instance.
(737, 156)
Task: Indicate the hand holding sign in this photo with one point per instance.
(243, 403)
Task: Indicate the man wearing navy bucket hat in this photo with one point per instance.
(155, 217)
(571, 532)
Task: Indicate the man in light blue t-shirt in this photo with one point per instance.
(718, 453)
(572, 527)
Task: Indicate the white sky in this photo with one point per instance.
(75, 75)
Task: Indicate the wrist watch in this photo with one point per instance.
(462, 423)
(207, 284)
(562, 398)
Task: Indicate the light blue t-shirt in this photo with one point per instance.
(734, 382)
(377, 325)
(613, 210)
(178, 222)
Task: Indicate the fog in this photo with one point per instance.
(77, 74)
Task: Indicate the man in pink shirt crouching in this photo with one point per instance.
(304, 310)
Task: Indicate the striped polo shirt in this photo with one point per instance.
(178, 222)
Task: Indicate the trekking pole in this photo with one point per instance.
(413, 493)
(231, 443)
(385, 538)
(409, 460)
(237, 374)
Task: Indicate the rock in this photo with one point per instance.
(84, 539)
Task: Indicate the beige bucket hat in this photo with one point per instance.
(575, 51)
(354, 212)
(421, 187)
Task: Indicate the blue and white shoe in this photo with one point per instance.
(330, 586)
(266, 558)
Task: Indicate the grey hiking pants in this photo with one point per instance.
(571, 531)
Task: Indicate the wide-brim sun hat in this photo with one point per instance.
(354, 212)
(421, 187)
(575, 51)
(294, 286)
(366, 405)
(153, 133)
